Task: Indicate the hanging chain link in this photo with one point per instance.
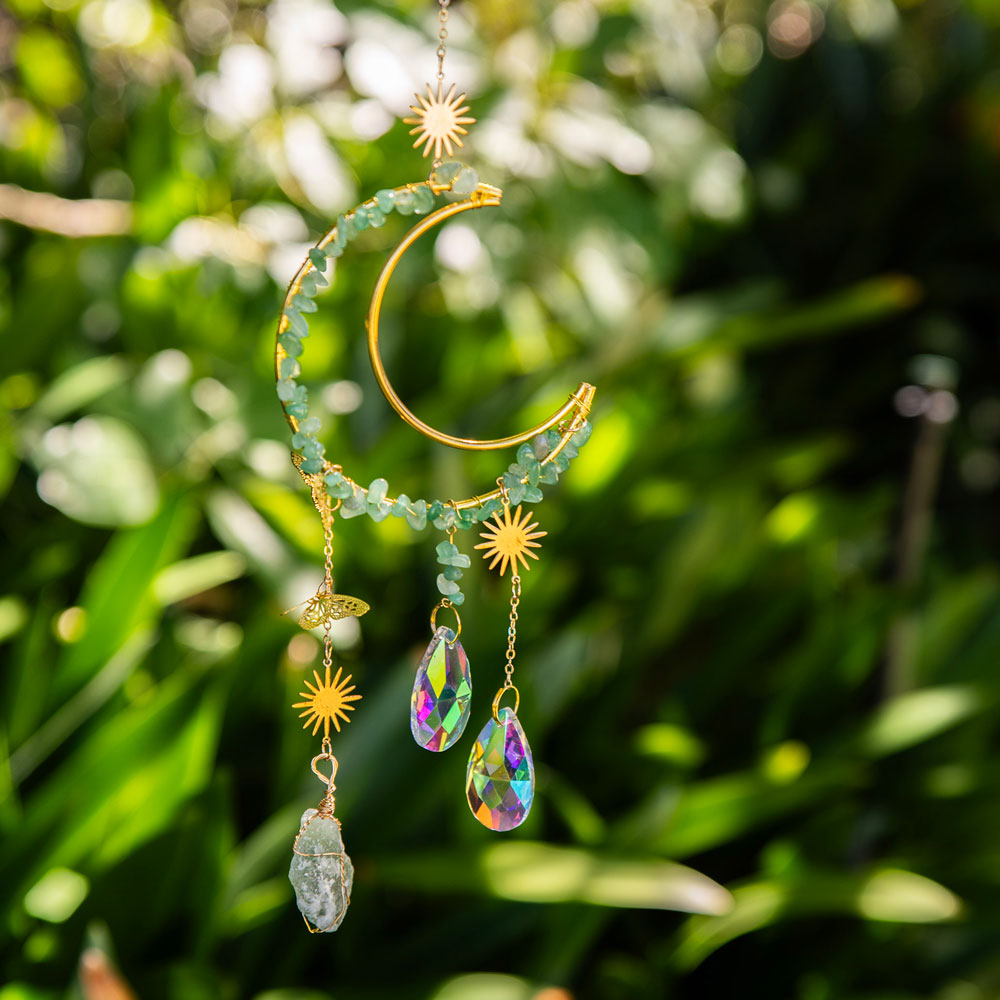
(515, 600)
(442, 48)
(328, 583)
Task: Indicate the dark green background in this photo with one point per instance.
(762, 639)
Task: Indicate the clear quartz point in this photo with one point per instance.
(321, 872)
(500, 781)
(442, 690)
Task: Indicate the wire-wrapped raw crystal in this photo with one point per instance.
(321, 872)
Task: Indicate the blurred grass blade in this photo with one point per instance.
(117, 596)
(885, 894)
(189, 577)
(920, 715)
(122, 785)
(544, 873)
(488, 986)
(80, 385)
(80, 707)
(534, 872)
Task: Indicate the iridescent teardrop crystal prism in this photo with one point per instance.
(439, 707)
(500, 781)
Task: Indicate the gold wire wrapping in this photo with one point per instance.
(325, 811)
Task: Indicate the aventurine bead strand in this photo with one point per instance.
(415, 198)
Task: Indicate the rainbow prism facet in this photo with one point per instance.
(439, 707)
(500, 781)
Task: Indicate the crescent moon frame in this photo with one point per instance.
(569, 417)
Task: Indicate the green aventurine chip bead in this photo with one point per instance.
(339, 240)
(466, 182)
(540, 446)
(308, 286)
(434, 510)
(379, 511)
(376, 217)
(289, 368)
(318, 258)
(532, 494)
(290, 343)
(445, 550)
(297, 410)
(385, 199)
(457, 598)
(488, 509)
(405, 203)
(361, 219)
(452, 573)
(423, 200)
(298, 440)
(582, 436)
(355, 504)
(286, 390)
(400, 505)
(447, 172)
(553, 437)
(525, 455)
(416, 516)
(297, 323)
(446, 586)
(312, 465)
(304, 304)
(377, 489)
(311, 426)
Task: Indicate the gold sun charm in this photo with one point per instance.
(510, 539)
(327, 701)
(439, 120)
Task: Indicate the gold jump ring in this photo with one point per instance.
(446, 604)
(500, 694)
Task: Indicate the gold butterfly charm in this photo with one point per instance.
(325, 607)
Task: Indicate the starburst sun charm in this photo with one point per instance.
(510, 539)
(327, 701)
(439, 120)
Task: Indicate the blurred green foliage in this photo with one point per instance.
(758, 658)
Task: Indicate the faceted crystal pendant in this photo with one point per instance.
(500, 781)
(439, 708)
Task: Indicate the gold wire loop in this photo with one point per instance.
(500, 694)
(484, 195)
(445, 603)
(334, 765)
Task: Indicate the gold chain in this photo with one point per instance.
(328, 581)
(515, 600)
(442, 48)
(328, 552)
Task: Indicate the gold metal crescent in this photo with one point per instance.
(579, 401)
(576, 408)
